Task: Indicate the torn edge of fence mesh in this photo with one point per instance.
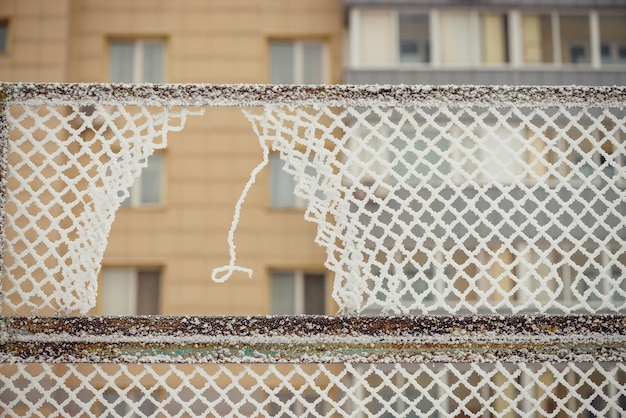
(247, 95)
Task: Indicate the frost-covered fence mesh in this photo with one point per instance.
(354, 390)
(70, 168)
(428, 200)
(463, 208)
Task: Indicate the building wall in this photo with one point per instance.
(209, 162)
(38, 40)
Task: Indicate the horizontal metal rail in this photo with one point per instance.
(243, 95)
(313, 339)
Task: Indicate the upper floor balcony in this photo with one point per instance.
(495, 42)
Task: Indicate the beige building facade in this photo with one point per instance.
(172, 231)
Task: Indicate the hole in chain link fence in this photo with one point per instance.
(506, 202)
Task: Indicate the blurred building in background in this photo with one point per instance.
(529, 42)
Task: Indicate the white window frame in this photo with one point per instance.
(298, 58)
(131, 277)
(139, 45)
(299, 295)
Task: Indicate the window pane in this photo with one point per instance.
(375, 37)
(153, 62)
(283, 289)
(414, 35)
(575, 39)
(121, 61)
(282, 62)
(314, 294)
(537, 39)
(458, 40)
(4, 30)
(148, 291)
(118, 291)
(282, 184)
(313, 65)
(152, 181)
(495, 39)
(613, 39)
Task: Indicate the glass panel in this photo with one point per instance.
(148, 291)
(4, 29)
(537, 38)
(153, 62)
(613, 39)
(575, 39)
(314, 294)
(117, 291)
(121, 61)
(457, 39)
(282, 184)
(375, 37)
(283, 289)
(313, 65)
(495, 39)
(414, 38)
(282, 62)
(152, 181)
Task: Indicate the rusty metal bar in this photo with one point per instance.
(4, 141)
(313, 339)
(311, 95)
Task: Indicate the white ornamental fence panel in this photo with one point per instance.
(476, 237)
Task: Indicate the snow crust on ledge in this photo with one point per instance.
(246, 95)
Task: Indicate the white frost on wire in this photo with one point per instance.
(221, 274)
(71, 169)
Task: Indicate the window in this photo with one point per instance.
(131, 291)
(137, 61)
(574, 34)
(297, 62)
(494, 38)
(4, 35)
(413, 33)
(613, 39)
(282, 184)
(297, 292)
(388, 37)
(469, 38)
(537, 38)
(148, 190)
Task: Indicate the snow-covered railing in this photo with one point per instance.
(315, 339)
(488, 224)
